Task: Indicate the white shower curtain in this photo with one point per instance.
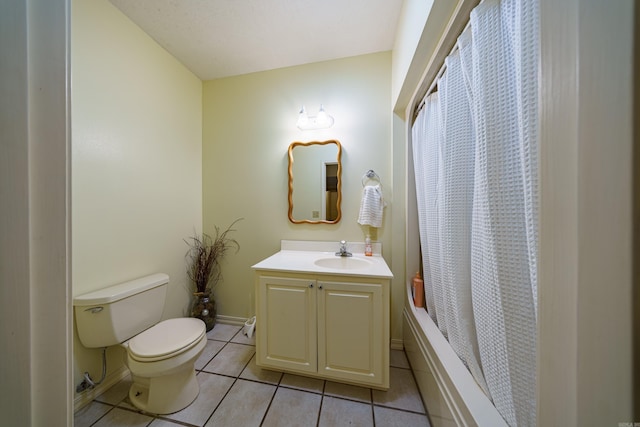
(426, 130)
(455, 196)
(475, 154)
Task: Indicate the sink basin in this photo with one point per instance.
(342, 263)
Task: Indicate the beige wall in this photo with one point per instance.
(25, 382)
(411, 24)
(249, 122)
(421, 26)
(17, 389)
(136, 161)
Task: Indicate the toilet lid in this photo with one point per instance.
(167, 337)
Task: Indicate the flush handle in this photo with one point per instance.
(94, 310)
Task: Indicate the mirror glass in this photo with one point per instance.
(314, 182)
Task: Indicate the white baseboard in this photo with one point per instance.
(83, 399)
(231, 320)
(397, 344)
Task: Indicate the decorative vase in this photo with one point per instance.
(204, 308)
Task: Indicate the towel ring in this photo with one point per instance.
(370, 174)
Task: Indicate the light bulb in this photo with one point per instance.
(323, 120)
(303, 119)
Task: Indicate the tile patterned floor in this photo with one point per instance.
(235, 392)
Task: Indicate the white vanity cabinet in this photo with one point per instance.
(286, 335)
(328, 326)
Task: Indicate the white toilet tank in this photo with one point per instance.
(112, 315)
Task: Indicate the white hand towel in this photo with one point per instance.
(371, 206)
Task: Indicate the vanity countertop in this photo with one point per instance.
(296, 257)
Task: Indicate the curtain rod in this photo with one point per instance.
(434, 83)
(433, 86)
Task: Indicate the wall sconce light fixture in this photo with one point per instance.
(321, 121)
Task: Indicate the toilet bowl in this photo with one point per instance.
(161, 355)
(162, 364)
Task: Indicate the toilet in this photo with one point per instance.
(161, 355)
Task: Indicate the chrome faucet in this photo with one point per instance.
(343, 249)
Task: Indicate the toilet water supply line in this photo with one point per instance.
(88, 383)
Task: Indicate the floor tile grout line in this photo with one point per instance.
(218, 373)
(214, 356)
(273, 396)
(320, 410)
(233, 342)
(348, 399)
(373, 415)
(400, 367)
(399, 409)
(415, 380)
(220, 403)
(105, 414)
(324, 389)
(323, 393)
(153, 417)
(199, 371)
(235, 379)
(299, 389)
(124, 408)
(226, 375)
(373, 412)
(172, 421)
(237, 376)
(251, 380)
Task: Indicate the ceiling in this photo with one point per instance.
(221, 38)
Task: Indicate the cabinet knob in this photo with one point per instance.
(311, 285)
(319, 286)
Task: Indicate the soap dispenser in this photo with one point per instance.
(418, 291)
(367, 246)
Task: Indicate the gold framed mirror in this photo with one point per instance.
(317, 172)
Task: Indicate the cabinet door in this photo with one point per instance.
(286, 327)
(351, 333)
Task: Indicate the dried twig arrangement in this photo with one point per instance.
(204, 255)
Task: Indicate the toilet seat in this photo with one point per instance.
(167, 339)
